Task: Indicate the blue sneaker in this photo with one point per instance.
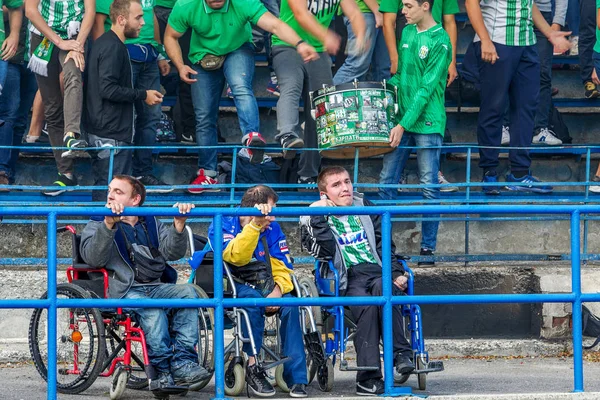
(491, 190)
(528, 179)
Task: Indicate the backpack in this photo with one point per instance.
(246, 172)
(165, 130)
(590, 326)
(557, 125)
(289, 171)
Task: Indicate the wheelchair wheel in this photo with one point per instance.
(137, 379)
(422, 378)
(309, 289)
(206, 322)
(279, 381)
(325, 376)
(80, 347)
(234, 380)
(119, 383)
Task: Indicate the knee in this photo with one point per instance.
(187, 291)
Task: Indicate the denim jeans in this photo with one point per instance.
(238, 71)
(3, 72)
(357, 65)
(545, 52)
(587, 37)
(15, 104)
(573, 17)
(428, 163)
(146, 76)
(294, 370)
(171, 334)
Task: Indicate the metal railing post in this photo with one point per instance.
(51, 271)
(219, 337)
(386, 283)
(576, 290)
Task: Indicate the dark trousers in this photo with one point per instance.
(122, 163)
(545, 52)
(587, 37)
(365, 280)
(515, 79)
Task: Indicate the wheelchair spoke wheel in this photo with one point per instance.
(206, 322)
(309, 289)
(80, 347)
(137, 374)
(119, 383)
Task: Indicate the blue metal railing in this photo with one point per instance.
(575, 297)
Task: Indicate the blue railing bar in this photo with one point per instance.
(587, 195)
(576, 289)
(111, 161)
(468, 196)
(590, 297)
(25, 303)
(355, 181)
(52, 308)
(219, 334)
(386, 283)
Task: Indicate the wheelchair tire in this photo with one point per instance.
(91, 347)
(279, 381)
(119, 383)
(206, 322)
(309, 289)
(325, 376)
(234, 380)
(421, 378)
(137, 373)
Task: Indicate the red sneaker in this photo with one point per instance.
(256, 140)
(203, 180)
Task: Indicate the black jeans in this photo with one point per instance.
(365, 280)
(545, 52)
(587, 38)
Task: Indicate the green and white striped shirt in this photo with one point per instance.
(508, 22)
(352, 239)
(58, 14)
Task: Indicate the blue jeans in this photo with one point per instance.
(171, 334)
(356, 65)
(3, 72)
(428, 163)
(146, 76)
(573, 17)
(238, 71)
(15, 104)
(294, 370)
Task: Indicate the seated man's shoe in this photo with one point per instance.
(527, 187)
(163, 386)
(429, 253)
(370, 387)
(165, 379)
(190, 374)
(298, 390)
(404, 364)
(490, 178)
(257, 382)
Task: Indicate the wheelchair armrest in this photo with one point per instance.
(74, 271)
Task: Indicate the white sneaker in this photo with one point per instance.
(574, 42)
(446, 188)
(505, 135)
(546, 136)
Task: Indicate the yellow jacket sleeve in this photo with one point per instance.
(240, 249)
(281, 276)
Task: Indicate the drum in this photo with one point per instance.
(358, 114)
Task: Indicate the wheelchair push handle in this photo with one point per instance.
(65, 228)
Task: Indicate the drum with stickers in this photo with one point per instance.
(358, 114)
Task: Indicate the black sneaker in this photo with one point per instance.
(159, 186)
(190, 374)
(75, 145)
(298, 390)
(257, 382)
(591, 91)
(61, 183)
(426, 252)
(370, 387)
(404, 364)
(290, 142)
(165, 379)
(307, 180)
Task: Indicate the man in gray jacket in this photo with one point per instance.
(135, 251)
(355, 246)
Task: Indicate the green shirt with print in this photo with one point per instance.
(597, 45)
(147, 32)
(8, 4)
(440, 8)
(323, 11)
(353, 242)
(216, 32)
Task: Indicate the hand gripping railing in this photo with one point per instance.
(575, 297)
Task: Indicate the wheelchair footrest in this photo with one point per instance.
(432, 366)
(274, 363)
(314, 345)
(344, 367)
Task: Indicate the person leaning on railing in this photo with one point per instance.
(257, 249)
(135, 251)
(354, 244)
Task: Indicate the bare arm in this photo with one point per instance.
(488, 50)
(389, 34)
(11, 42)
(156, 29)
(449, 23)
(98, 28)
(558, 39)
(272, 24)
(173, 50)
(88, 20)
(357, 22)
(374, 7)
(306, 20)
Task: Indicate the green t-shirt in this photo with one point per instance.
(353, 241)
(8, 4)
(440, 8)
(147, 32)
(423, 62)
(166, 3)
(597, 45)
(364, 7)
(216, 32)
(323, 10)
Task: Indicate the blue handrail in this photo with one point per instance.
(575, 297)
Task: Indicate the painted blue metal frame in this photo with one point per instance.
(575, 297)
